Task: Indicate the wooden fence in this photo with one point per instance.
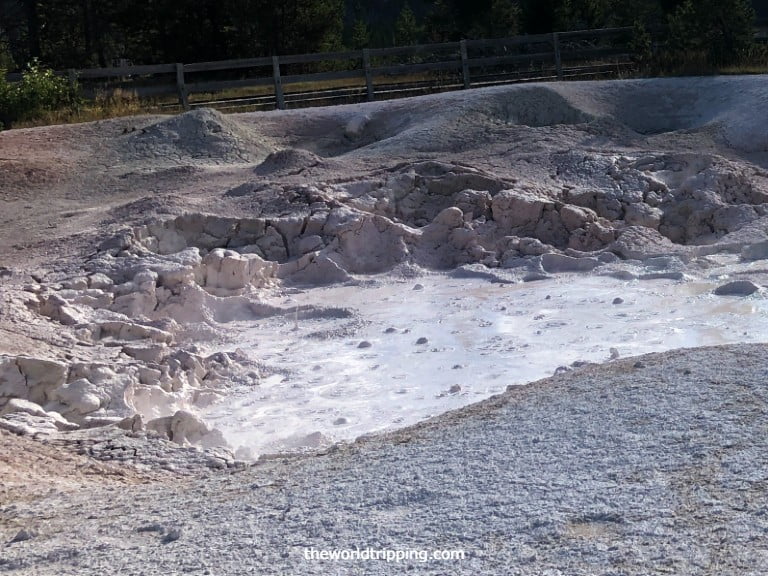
(375, 72)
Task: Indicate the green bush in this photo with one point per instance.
(39, 91)
(723, 29)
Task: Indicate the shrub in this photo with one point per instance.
(39, 91)
(723, 29)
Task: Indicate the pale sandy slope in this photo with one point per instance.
(647, 466)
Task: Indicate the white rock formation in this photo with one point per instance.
(186, 429)
(229, 272)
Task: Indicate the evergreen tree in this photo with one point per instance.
(441, 23)
(505, 18)
(407, 29)
(722, 29)
(501, 20)
(360, 36)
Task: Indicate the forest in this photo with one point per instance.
(669, 37)
(64, 34)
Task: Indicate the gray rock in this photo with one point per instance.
(664, 262)
(533, 247)
(309, 244)
(553, 262)
(663, 276)
(622, 275)
(154, 527)
(607, 257)
(641, 214)
(23, 535)
(535, 277)
(758, 251)
(737, 288)
(171, 536)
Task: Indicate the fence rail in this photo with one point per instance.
(451, 65)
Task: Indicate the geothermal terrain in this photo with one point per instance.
(526, 323)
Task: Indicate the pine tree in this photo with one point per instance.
(441, 23)
(407, 29)
(360, 36)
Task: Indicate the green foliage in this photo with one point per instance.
(641, 44)
(441, 23)
(38, 92)
(360, 36)
(407, 29)
(502, 20)
(721, 29)
(6, 58)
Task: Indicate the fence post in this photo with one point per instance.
(558, 60)
(464, 63)
(368, 77)
(279, 96)
(181, 87)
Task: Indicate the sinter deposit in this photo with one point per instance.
(286, 280)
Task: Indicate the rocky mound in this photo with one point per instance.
(288, 161)
(201, 136)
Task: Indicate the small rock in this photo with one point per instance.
(663, 276)
(418, 287)
(622, 275)
(216, 463)
(607, 258)
(172, 535)
(151, 528)
(390, 330)
(422, 340)
(340, 421)
(618, 300)
(457, 367)
(535, 277)
(553, 262)
(638, 364)
(562, 370)
(455, 389)
(23, 535)
(737, 288)
(758, 251)
(614, 353)
(364, 344)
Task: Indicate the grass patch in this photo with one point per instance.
(114, 103)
